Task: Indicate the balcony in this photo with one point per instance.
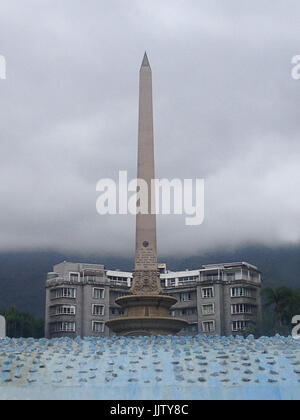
(179, 283)
(238, 276)
(212, 278)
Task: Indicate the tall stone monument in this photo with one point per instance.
(2, 327)
(146, 310)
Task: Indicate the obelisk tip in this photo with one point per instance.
(145, 62)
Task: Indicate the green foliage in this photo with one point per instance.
(284, 302)
(20, 324)
(280, 305)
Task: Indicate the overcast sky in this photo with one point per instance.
(226, 109)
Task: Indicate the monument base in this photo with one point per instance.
(146, 315)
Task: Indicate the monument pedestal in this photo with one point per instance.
(146, 315)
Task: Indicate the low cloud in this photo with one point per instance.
(226, 110)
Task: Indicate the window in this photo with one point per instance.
(230, 276)
(64, 310)
(74, 277)
(212, 276)
(189, 311)
(239, 325)
(172, 282)
(208, 326)
(208, 309)
(242, 292)
(118, 280)
(254, 276)
(113, 311)
(98, 310)
(183, 280)
(63, 292)
(185, 297)
(90, 278)
(207, 292)
(63, 327)
(98, 293)
(98, 327)
(242, 309)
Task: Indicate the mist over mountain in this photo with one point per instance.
(226, 110)
(22, 275)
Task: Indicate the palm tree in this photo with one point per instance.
(281, 300)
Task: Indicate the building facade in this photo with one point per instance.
(221, 299)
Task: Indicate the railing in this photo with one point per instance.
(225, 277)
(187, 281)
(211, 278)
(180, 283)
(58, 281)
(118, 283)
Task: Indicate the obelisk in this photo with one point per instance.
(146, 275)
(146, 310)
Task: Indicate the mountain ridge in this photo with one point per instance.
(23, 274)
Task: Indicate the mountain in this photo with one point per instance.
(22, 274)
(279, 266)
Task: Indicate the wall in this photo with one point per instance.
(160, 368)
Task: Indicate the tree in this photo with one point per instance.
(280, 305)
(280, 300)
(295, 304)
(20, 324)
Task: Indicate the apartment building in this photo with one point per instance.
(219, 299)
